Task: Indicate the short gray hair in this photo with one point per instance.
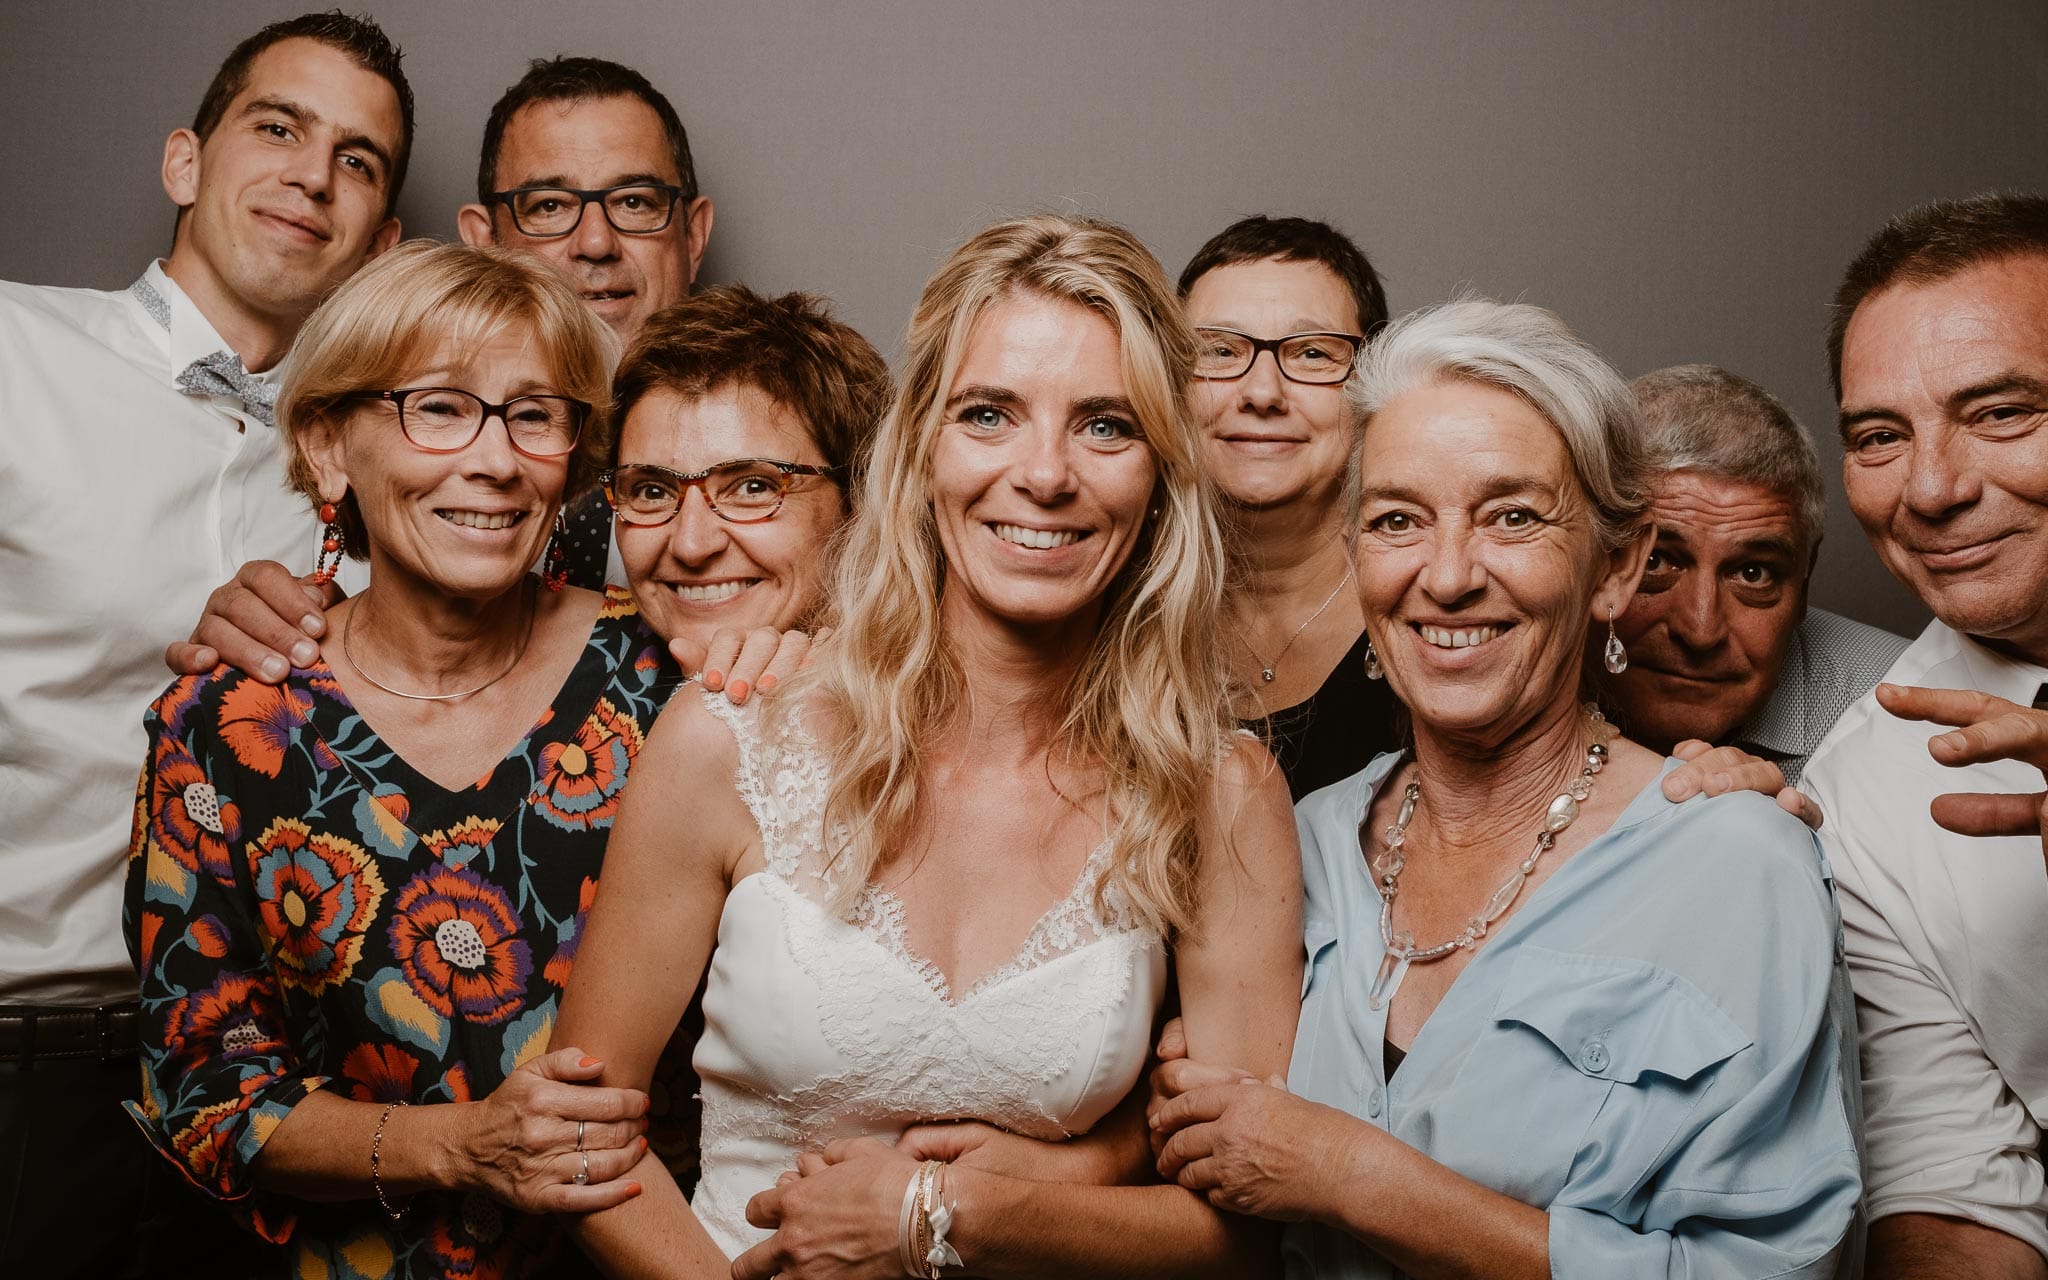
(1529, 352)
(1700, 417)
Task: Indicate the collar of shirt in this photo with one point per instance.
(2013, 679)
(187, 335)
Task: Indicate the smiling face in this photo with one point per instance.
(1720, 600)
(590, 144)
(1269, 441)
(700, 572)
(468, 524)
(1040, 479)
(286, 198)
(1479, 566)
(1945, 444)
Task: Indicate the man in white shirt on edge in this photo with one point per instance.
(138, 469)
(1939, 347)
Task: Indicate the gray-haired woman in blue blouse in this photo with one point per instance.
(1554, 1023)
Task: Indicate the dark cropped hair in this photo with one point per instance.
(1933, 242)
(359, 39)
(567, 79)
(789, 348)
(1259, 237)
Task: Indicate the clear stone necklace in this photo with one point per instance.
(1400, 950)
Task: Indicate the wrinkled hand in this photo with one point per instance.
(836, 1220)
(264, 622)
(1252, 1147)
(521, 1145)
(746, 662)
(1183, 1075)
(1719, 770)
(1991, 729)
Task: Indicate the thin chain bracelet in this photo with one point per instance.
(376, 1165)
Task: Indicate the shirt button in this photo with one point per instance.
(1594, 1058)
(1375, 1103)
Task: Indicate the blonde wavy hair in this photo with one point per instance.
(1149, 701)
(378, 326)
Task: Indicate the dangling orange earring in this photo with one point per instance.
(329, 559)
(555, 561)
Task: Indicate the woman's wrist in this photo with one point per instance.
(980, 1199)
(421, 1150)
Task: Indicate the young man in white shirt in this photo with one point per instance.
(139, 468)
(1940, 352)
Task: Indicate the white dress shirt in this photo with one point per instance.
(1948, 952)
(126, 502)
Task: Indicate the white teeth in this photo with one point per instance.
(1461, 637)
(481, 519)
(708, 593)
(1036, 539)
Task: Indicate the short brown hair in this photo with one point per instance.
(568, 79)
(393, 312)
(359, 39)
(789, 347)
(1260, 238)
(1933, 242)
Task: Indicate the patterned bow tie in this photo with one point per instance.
(222, 374)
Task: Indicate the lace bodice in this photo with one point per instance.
(821, 1026)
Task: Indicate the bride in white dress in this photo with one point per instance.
(943, 871)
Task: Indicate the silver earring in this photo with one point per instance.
(1372, 663)
(1616, 656)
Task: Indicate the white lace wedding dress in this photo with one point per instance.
(819, 1027)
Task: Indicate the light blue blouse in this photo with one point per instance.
(1651, 1048)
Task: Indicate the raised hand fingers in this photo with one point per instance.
(765, 1209)
(2018, 734)
(811, 1162)
(1173, 1041)
(1195, 1107)
(761, 1262)
(1941, 706)
(850, 1148)
(1978, 813)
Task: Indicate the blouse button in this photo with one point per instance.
(1375, 1103)
(1594, 1057)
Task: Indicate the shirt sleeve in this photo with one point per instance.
(219, 1071)
(1944, 1133)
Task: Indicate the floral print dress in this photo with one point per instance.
(309, 912)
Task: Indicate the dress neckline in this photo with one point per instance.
(880, 914)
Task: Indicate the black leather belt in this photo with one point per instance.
(43, 1033)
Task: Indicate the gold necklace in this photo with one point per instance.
(1267, 670)
(349, 626)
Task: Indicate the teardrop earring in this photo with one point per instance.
(1372, 662)
(1616, 656)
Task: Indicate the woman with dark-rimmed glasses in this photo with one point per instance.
(355, 896)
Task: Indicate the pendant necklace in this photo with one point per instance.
(1267, 670)
(1399, 949)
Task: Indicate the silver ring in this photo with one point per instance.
(579, 1135)
(583, 1174)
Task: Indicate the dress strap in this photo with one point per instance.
(783, 780)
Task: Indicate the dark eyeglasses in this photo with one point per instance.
(744, 491)
(637, 209)
(1314, 358)
(449, 419)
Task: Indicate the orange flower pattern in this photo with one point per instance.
(309, 911)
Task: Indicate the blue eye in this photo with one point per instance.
(984, 416)
(1109, 429)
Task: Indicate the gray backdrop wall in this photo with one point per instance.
(1680, 181)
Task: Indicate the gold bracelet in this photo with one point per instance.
(376, 1165)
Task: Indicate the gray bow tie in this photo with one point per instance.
(222, 374)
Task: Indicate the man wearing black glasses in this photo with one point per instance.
(587, 165)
